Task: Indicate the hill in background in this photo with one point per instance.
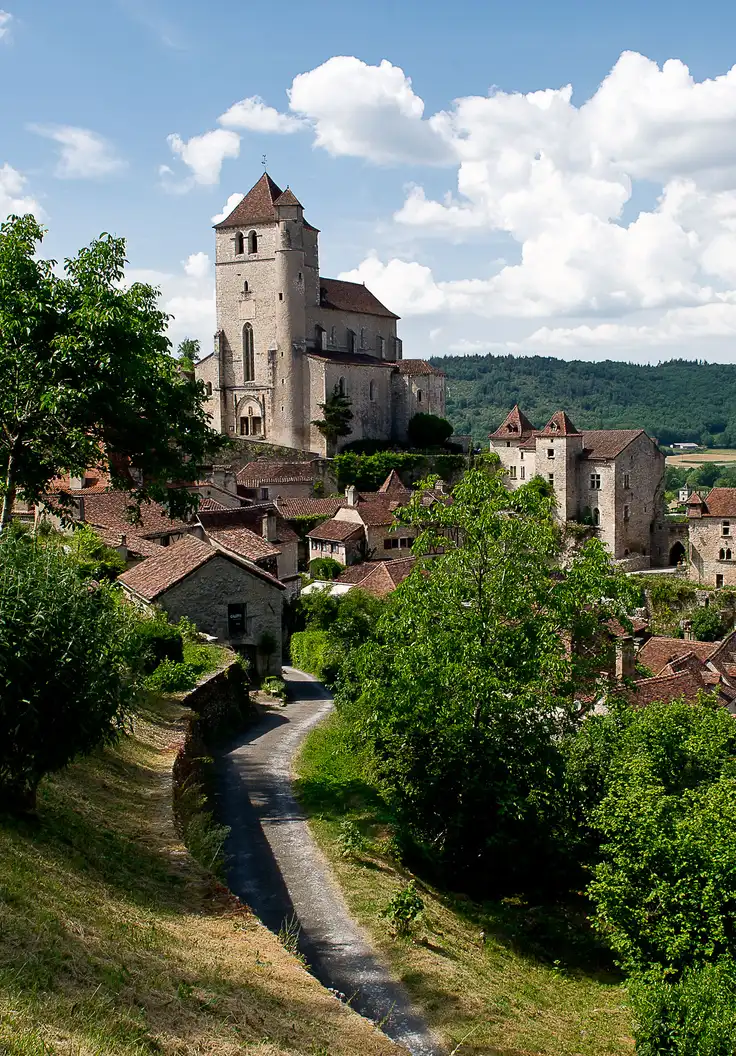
(681, 400)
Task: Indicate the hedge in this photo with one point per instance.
(316, 653)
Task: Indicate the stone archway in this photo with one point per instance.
(677, 553)
(250, 418)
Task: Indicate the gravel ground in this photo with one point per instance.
(277, 869)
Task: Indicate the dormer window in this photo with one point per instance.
(512, 427)
(553, 427)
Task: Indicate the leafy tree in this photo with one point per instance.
(428, 430)
(336, 417)
(325, 568)
(694, 1016)
(706, 624)
(87, 377)
(468, 687)
(188, 353)
(67, 656)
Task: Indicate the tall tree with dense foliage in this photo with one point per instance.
(67, 664)
(336, 417)
(87, 377)
(188, 353)
(470, 684)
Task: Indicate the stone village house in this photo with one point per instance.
(712, 537)
(287, 338)
(612, 479)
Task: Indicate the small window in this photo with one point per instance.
(351, 341)
(362, 337)
(719, 581)
(521, 455)
(404, 543)
(239, 245)
(728, 555)
(550, 452)
(512, 472)
(246, 287)
(252, 242)
(387, 544)
(596, 516)
(380, 343)
(320, 337)
(299, 277)
(281, 296)
(508, 443)
(627, 513)
(209, 388)
(264, 493)
(523, 473)
(595, 482)
(341, 386)
(237, 624)
(333, 336)
(419, 395)
(627, 481)
(726, 528)
(551, 478)
(372, 391)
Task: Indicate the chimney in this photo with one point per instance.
(625, 666)
(351, 494)
(687, 631)
(439, 486)
(268, 526)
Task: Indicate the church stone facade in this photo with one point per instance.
(287, 338)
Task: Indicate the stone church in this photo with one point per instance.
(287, 338)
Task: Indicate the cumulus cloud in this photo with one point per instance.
(204, 155)
(253, 115)
(5, 19)
(84, 154)
(188, 297)
(14, 199)
(228, 207)
(197, 266)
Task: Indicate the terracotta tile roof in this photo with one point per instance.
(720, 502)
(351, 297)
(94, 481)
(251, 518)
(667, 687)
(417, 367)
(559, 425)
(393, 487)
(156, 575)
(256, 207)
(385, 576)
(112, 510)
(336, 531)
(694, 500)
(658, 652)
(287, 198)
(608, 443)
(618, 630)
(377, 511)
(350, 359)
(209, 505)
(515, 425)
(255, 474)
(328, 507)
(357, 573)
(136, 545)
(244, 542)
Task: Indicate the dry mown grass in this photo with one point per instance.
(113, 941)
(537, 985)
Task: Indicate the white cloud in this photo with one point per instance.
(228, 207)
(204, 155)
(197, 266)
(407, 288)
(84, 154)
(5, 19)
(368, 112)
(14, 201)
(254, 115)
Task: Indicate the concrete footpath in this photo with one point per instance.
(277, 869)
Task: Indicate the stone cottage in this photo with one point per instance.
(712, 537)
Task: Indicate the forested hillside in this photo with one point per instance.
(679, 400)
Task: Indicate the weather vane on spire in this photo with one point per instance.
(263, 162)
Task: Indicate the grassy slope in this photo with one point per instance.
(113, 941)
(538, 985)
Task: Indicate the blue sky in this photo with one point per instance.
(433, 144)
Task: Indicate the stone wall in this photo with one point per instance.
(706, 543)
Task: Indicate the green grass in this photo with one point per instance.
(539, 983)
(113, 942)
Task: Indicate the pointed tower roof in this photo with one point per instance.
(516, 426)
(392, 486)
(288, 198)
(257, 206)
(559, 425)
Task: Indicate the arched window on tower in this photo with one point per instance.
(239, 244)
(372, 391)
(249, 367)
(209, 388)
(246, 287)
(341, 386)
(252, 242)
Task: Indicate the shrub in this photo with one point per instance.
(159, 640)
(275, 687)
(693, 1015)
(325, 568)
(351, 840)
(316, 653)
(428, 430)
(170, 677)
(67, 665)
(706, 624)
(404, 909)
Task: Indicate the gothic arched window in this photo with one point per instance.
(246, 287)
(249, 367)
(252, 242)
(209, 388)
(596, 516)
(239, 244)
(341, 386)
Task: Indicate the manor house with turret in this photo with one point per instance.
(287, 338)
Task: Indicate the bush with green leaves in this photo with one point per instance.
(172, 677)
(350, 840)
(68, 665)
(691, 1015)
(707, 624)
(428, 430)
(275, 687)
(159, 641)
(404, 909)
(325, 568)
(315, 651)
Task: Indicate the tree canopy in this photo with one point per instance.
(336, 417)
(87, 377)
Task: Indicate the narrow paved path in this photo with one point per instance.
(276, 867)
